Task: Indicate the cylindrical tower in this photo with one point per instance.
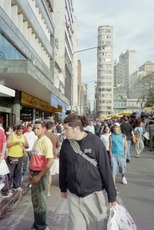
(104, 89)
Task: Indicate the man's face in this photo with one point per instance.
(116, 129)
(29, 128)
(70, 132)
(39, 130)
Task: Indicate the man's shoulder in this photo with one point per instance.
(50, 135)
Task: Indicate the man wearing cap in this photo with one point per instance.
(127, 129)
(118, 151)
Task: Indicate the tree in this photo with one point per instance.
(150, 99)
(147, 89)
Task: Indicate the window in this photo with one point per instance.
(8, 50)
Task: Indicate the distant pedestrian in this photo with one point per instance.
(127, 129)
(139, 145)
(98, 129)
(151, 133)
(5, 190)
(56, 145)
(105, 138)
(59, 127)
(118, 152)
(85, 178)
(40, 163)
(31, 138)
(90, 127)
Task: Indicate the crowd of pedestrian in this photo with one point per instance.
(86, 154)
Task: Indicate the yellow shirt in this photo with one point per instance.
(16, 150)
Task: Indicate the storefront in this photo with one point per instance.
(59, 107)
(6, 99)
(33, 108)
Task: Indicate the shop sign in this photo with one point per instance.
(5, 110)
(59, 109)
(27, 99)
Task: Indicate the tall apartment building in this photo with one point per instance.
(84, 99)
(36, 49)
(65, 44)
(104, 89)
(66, 40)
(122, 71)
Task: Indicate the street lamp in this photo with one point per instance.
(77, 51)
(73, 54)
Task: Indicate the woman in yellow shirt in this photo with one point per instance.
(16, 143)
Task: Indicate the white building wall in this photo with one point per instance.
(65, 45)
(124, 68)
(24, 26)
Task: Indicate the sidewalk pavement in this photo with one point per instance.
(7, 204)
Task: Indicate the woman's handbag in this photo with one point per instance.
(120, 219)
(136, 137)
(3, 168)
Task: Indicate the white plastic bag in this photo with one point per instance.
(3, 168)
(146, 135)
(55, 167)
(120, 219)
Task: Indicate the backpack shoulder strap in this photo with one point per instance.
(77, 149)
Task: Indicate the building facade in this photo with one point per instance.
(126, 66)
(84, 99)
(104, 89)
(36, 57)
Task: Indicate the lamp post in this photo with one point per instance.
(77, 51)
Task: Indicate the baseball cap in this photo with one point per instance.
(116, 124)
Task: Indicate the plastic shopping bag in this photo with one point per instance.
(120, 219)
(3, 168)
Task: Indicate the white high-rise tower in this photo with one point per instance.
(104, 89)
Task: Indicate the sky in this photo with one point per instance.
(133, 29)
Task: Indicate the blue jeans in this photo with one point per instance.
(118, 162)
(128, 150)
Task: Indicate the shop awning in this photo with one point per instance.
(6, 92)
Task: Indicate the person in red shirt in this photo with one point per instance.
(3, 144)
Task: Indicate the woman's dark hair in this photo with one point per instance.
(106, 126)
(19, 127)
(75, 120)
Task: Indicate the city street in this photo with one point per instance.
(137, 196)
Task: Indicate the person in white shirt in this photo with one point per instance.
(31, 138)
(105, 138)
(90, 127)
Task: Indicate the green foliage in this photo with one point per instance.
(150, 98)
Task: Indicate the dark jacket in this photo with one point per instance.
(126, 129)
(79, 176)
